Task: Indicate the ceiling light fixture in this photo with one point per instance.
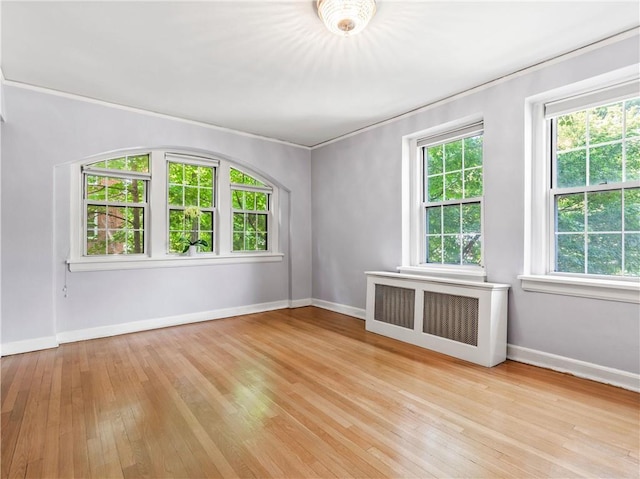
(346, 17)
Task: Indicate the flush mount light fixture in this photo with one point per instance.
(346, 17)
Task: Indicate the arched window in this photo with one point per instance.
(170, 208)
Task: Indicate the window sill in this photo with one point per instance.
(119, 263)
(465, 273)
(612, 290)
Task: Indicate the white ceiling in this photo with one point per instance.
(270, 68)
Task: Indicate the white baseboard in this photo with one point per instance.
(147, 324)
(340, 308)
(300, 303)
(582, 369)
(28, 345)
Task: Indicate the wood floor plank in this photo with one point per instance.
(301, 393)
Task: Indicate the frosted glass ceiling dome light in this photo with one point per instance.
(346, 17)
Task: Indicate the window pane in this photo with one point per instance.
(139, 163)
(205, 199)
(434, 249)
(176, 195)
(453, 186)
(605, 254)
(176, 173)
(240, 178)
(605, 123)
(605, 164)
(206, 221)
(434, 220)
(206, 177)
(604, 211)
(237, 199)
(632, 209)
(435, 188)
(632, 111)
(572, 131)
(632, 254)
(471, 218)
(249, 241)
(249, 200)
(262, 223)
(451, 219)
(473, 151)
(261, 241)
(96, 188)
(238, 241)
(207, 237)
(571, 168)
(262, 203)
(633, 160)
(190, 175)
(570, 253)
(453, 156)
(116, 164)
(238, 221)
(570, 212)
(473, 183)
(451, 253)
(471, 249)
(434, 160)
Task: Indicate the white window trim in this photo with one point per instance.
(412, 207)
(157, 255)
(537, 275)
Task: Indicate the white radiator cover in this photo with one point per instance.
(464, 319)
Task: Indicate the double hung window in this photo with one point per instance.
(451, 207)
(115, 206)
(190, 185)
(595, 187)
(582, 191)
(250, 209)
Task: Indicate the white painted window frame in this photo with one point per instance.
(156, 227)
(413, 204)
(538, 274)
(195, 161)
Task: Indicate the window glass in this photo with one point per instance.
(595, 191)
(191, 206)
(452, 201)
(115, 206)
(250, 212)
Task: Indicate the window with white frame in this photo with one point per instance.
(115, 206)
(451, 195)
(582, 190)
(250, 207)
(146, 208)
(191, 194)
(594, 155)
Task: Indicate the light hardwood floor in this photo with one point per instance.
(301, 393)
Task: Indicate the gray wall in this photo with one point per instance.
(44, 134)
(364, 172)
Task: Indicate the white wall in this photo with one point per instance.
(364, 172)
(47, 132)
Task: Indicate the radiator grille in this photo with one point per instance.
(452, 317)
(394, 305)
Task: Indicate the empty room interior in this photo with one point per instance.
(320, 239)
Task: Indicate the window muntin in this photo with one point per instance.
(115, 204)
(595, 155)
(190, 185)
(250, 204)
(452, 198)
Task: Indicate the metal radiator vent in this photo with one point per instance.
(394, 305)
(452, 317)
